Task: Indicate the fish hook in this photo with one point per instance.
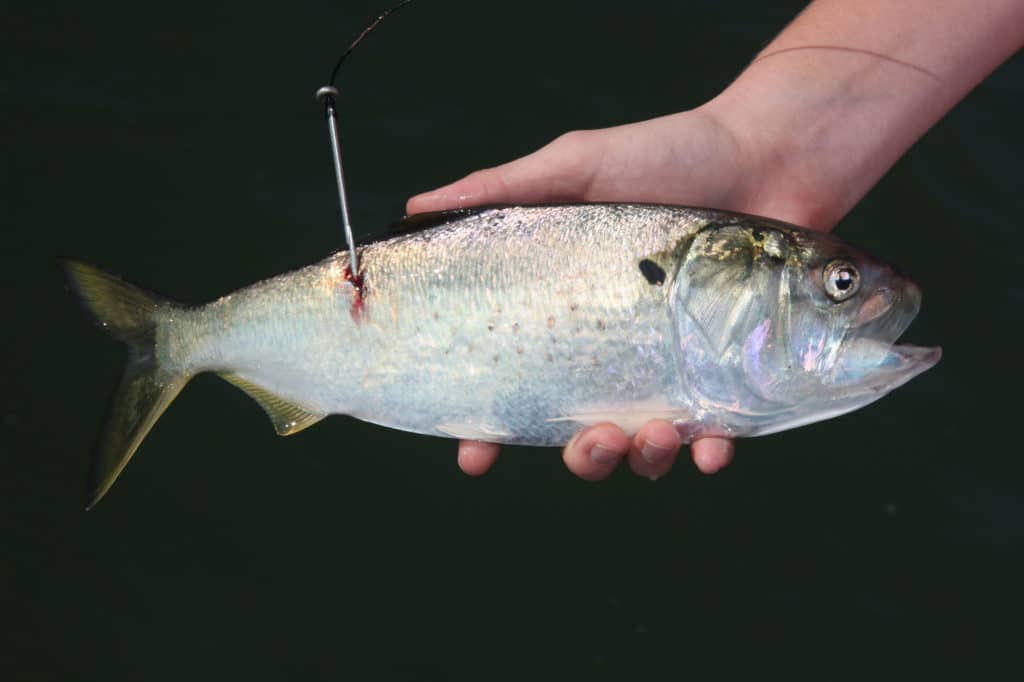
(327, 94)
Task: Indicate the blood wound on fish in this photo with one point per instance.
(358, 303)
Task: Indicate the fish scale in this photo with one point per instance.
(462, 323)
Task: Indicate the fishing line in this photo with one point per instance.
(359, 38)
(327, 95)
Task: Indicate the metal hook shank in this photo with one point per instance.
(327, 94)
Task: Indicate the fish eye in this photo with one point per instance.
(841, 280)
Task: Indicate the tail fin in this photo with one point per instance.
(130, 315)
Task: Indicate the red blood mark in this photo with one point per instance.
(358, 303)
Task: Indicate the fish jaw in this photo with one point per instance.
(899, 364)
(870, 363)
(876, 367)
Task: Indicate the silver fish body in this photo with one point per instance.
(522, 324)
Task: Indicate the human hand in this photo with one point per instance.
(688, 158)
(800, 136)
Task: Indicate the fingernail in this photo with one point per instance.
(654, 452)
(602, 455)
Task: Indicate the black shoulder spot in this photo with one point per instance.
(652, 272)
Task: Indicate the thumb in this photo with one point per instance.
(557, 172)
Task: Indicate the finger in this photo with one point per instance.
(595, 451)
(559, 171)
(475, 458)
(654, 449)
(712, 453)
(479, 188)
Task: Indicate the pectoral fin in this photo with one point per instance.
(287, 417)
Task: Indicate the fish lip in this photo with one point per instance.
(914, 360)
(878, 305)
(887, 314)
(900, 364)
(917, 359)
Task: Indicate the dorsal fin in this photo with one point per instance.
(424, 221)
(287, 417)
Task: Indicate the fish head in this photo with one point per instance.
(779, 326)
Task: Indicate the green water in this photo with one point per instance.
(180, 145)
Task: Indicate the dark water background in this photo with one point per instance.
(179, 145)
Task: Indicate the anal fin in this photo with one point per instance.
(287, 417)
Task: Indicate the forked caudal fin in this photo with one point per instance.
(134, 316)
(130, 315)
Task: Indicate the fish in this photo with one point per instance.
(523, 324)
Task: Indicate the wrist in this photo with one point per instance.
(817, 130)
(847, 88)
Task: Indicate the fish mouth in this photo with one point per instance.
(878, 367)
(871, 361)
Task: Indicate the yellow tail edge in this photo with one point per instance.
(131, 315)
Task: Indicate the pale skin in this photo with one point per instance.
(803, 133)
